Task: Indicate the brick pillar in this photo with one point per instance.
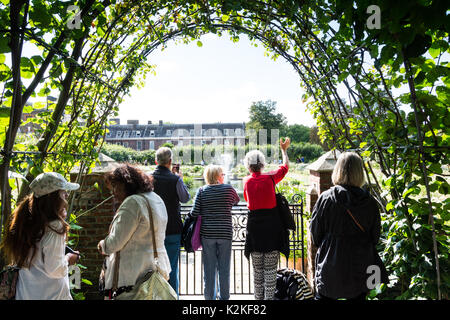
(320, 182)
(95, 227)
(311, 199)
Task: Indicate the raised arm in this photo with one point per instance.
(284, 146)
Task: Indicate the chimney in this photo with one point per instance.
(160, 122)
(132, 121)
(149, 122)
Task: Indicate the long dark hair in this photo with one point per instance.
(134, 180)
(28, 224)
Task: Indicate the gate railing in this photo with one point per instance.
(241, 273)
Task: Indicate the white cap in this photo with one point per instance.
(49, 182)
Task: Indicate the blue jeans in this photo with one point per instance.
(216, 255)
(172, 244)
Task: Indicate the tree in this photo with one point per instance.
(263, 115)
(314, 138)
(297, 132)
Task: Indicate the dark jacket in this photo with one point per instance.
(344, 251)
(266, 233)
(165, 185)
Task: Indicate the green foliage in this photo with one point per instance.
(123, 154)
(296, 132)
(307, 150)
(392, 103)
(263, 117)
(168, 145)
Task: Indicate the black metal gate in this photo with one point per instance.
(241, 273)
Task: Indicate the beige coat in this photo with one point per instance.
(130, 234)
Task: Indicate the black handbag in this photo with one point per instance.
(187, 233)
(283, 209)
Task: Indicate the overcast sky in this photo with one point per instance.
(214, 83)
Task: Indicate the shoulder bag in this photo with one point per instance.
(150, 286)
(283, 208)
(190, 236)
(376, 256)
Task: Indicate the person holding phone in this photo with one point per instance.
(35, 240)
(168, 184)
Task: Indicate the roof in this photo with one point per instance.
(156, 130)
(326, 162)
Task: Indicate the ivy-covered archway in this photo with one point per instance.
(376, 75)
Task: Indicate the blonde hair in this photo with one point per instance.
(254, 161)
(349, 170)
(212, 174)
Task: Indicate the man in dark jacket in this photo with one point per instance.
(170, 187)
(345, 226)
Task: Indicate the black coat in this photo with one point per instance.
(266, 232)
(165, 185)
(344, 251)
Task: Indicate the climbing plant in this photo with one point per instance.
(376, 81)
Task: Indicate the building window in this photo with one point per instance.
(151, 145)
(192, 132)
(152, 133)
(139, 145)
(180, 143)
(126, 134)
(119, 143)
(169, 132)
(125, 144)
(119, 134)
(138, 134)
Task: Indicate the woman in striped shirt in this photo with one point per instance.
(214, 202)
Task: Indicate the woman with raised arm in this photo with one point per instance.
(266, 235)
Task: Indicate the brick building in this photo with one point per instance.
(151, 136)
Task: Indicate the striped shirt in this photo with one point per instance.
(214, 202)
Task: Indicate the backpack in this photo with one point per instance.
(292, 285)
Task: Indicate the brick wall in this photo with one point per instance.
(321, 180)
(95, 227)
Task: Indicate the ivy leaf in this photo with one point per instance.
(419, 46)
(39, 15)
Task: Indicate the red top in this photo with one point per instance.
(259, 191)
